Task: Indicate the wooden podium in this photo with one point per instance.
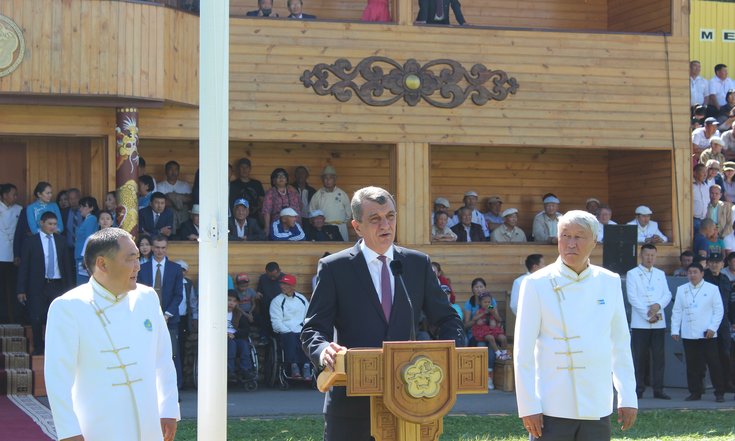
(411, 384)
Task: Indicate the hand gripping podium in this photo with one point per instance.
(411, 384)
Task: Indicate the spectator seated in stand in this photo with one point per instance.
(146, 184)
(265, 9)
(287, 228)
(280, 196)
(728, 182)
(686, 258)
(243, 187)
(470, 201)
(238, 344)
(317, 231)
(178, 193)
(488, 329)
(545, 223)
(288, 312)
(440, 231)
(604, 215)
(509, 232)
(724, 113)
(111, 201)
(701, 137)
(442, 204)
(494, 213)
(296, 10)
(189, 230)
(713, 173)
(592, 206)
(648, 231)
(714, 151)
(698, 117)
(707, 241)
(718, 87)
(241, 226)
(62, 200)
(466, 230)
(721, 213)
(429, 12)
(156, 218)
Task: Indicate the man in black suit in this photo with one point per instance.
(466, 230)
(317, 231)
(357, 296)
(241, 226)
(167, 279)
(265, 9)
(437, 12)
(189, 230)
(156, 218)
(296, 10)
(45, 273)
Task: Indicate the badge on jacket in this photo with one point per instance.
(148, 325)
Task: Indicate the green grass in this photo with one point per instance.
(660, 425)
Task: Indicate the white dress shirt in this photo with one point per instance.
(8, 222)
(700, 139)
(700, 199)
(696, 309)
(375, 267)
(698, 90)
(650, 230)
(45, 243)
(108, 367)
(645, 288)
(181, 187)
(571, 334)
(719, 88)
(515, 292)
(601, 230)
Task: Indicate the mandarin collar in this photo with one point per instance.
(569, 273)
(103, 292)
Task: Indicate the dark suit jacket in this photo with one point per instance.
(253, 232)
(172, 286)
(329, 233)
(186, 229)
(145, 220)
(255, 14)
(32, 271)
(476, 233)
(345, 298)
(427, 12)
(304, 17)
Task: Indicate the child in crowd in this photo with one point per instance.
(238, 345)
(487, 327)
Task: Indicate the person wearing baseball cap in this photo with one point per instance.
(286, 227)
(494, 213)
(288, 312)
(714, 151)
(702, 136)
(317, 231)
(241, 226)
(470, 202)
(509, 232)
(648, 231)
(442, 205)
(545, 223)
(333, 202)
(245, 294)
(245, 187)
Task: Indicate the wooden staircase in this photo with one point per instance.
(16, 376)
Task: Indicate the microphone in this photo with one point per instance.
(396, 267)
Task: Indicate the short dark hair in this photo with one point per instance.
(60, 195)
(439, 213)
(141, 161)
(648, 246)
(272, 266)
(89, 201)
(48, 215)
(477, 279)
(159, 238)
(74, 190)
(5, 188)
(157, 195)
(730, 257)
(170, 164)
(244, 161)
(699, 166)
(232, 293)
(103, 243)
(148, 181)
(696, 265)
(533, 260)
(40, 187)
(688, 253)
(719, 67)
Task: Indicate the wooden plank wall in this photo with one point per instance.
(520, 176)
(638, 16)
(643, 178)
(87, 47)
(499, 265)
(180, 80)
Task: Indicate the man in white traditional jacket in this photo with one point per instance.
(695, 318)
(648, 231)
(108, 367)
(572, 343)
(648, 295)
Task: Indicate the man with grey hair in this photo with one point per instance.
(357, 296)
(333, 202)
(108, 367)
(571, 332)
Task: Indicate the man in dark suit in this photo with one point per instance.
(156, 218)
(466, 230)
(357, 296)
(167, 279)
(189, 230)
(296, 11)
(437, 12)
(265, 9)
(317, 231)
(45, 273)
(241, 226)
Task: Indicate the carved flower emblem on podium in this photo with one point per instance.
(423, 378)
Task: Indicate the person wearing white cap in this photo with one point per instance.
(470, 201)
(545, 223)
(714, 151)
(592, 206)
(604, 215)
(701, 137)
(189, 230)
(648, 231)
(333, 202)
(493, 215)
(317, 231)
(286, 227)
(509, 232)
(721, 214)
(442, 205)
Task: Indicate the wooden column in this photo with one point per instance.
(413, 195)
(403, 11)
(126, 169)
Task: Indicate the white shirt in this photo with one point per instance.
(698, 90)
(515, 291)
(375, 267)
(650, 230)
(696, 309)
(700, 199)
(544, 227)
(230, 328)
(571, 334)
(44, 242)
(108, 367)
(241, 231)
(155, 263)
(728, 139)
(288, 313)
(644, 288)
(719, 88)
(181, 187)
(700, 139)
(601, 229)
(182, 305)
(8, 222)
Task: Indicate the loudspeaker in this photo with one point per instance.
(620, 248)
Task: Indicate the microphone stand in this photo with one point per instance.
(396, 268)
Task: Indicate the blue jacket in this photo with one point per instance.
(88, 227)
(172, 286)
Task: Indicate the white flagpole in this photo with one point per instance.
(214, 85)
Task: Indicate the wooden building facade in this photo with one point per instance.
(601, 111)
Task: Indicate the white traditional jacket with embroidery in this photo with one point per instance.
(572, 344)
(108, 367)
(696, 309)
(645, 288)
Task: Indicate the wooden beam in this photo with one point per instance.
(413, 192)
